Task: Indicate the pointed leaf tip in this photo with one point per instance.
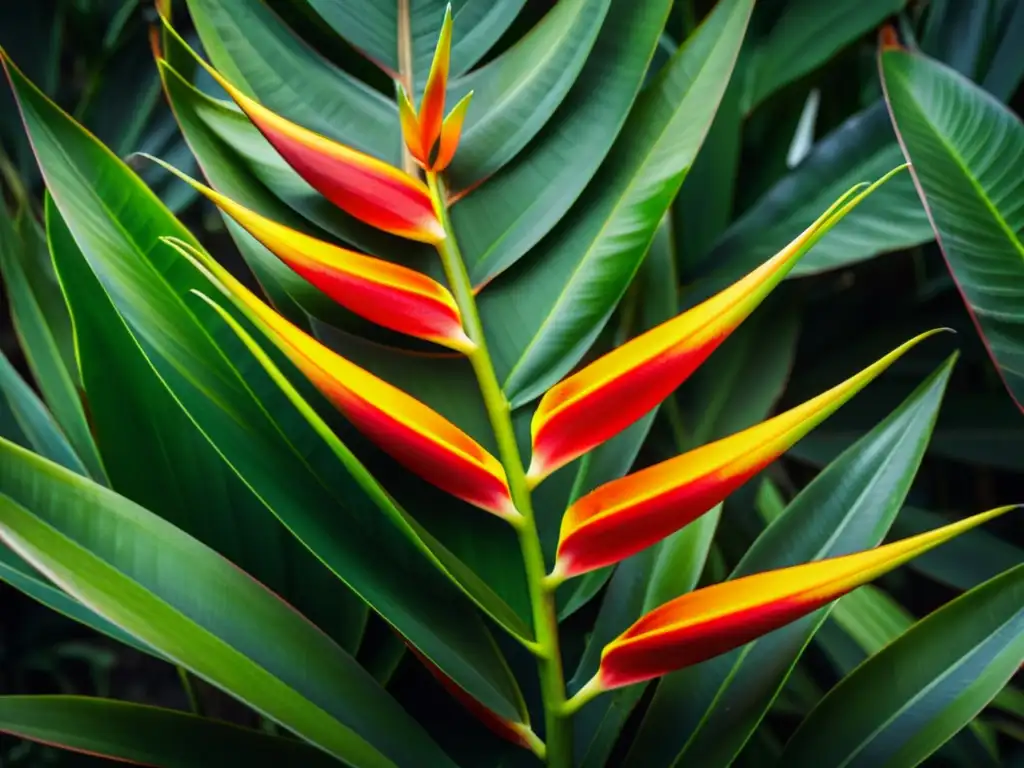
(622, 517)
(605, 397)
(367, 188)
(413, 434)
(390, 295)
(716, 619)
(432, 106)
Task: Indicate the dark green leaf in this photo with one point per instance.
(515, 95)
(148, 735)
(175, 594)
(578, 274)
(706, 713)
(966, 150)
(500, 221)
(907, 700)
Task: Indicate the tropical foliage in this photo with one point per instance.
(472, 458)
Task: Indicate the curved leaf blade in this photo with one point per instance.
(167, 589)
(580, 272)
(147, 735)
(966, 152)
(950, 665)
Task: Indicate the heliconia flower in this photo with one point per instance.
(412, 433)
(716, 619)
(520, 734)
(605, 397)
(390, 295)
(622, 517)
(426, 132)
(369, 189)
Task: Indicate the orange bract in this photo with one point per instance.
(369, 189)
(624, 516)
(426, 134)
(716, 619)
(413, 434)
(390, 295)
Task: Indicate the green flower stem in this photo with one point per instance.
(558, 730)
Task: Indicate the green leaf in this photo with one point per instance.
(578, 274)
(253, 48)
(338, 512)
(502, 219)
(890, 219)
(706, 713)
(964, 562)
(40, 318)
(23, 577)
(806, 35)
(24, 420)
(148, 735)
(910, 698)
(376, 29)
(169, 591)
(515, 95)
(156, 456)
(960, 142)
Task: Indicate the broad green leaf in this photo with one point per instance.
(966, 151)
(177, 595)
(40, 319)
(381, 29)
(338, 512)
(156, 456)
(907, 700)
(23, 577)
(891, 219)
(515, 95)
(24, 420)
(719, 400)
(1006, 67)
(508, 214)
(148, 735)
(578, 274)
(965, 562)
(253, 48)
(806, 35)
(706, 713)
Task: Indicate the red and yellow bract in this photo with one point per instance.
(716, 619)
(627, 515)
(426, 134)
(369, 189)
(388, 294)
(413, 434)
(599, 401)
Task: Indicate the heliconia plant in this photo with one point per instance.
(434, 340)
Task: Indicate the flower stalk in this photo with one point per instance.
(558, 731)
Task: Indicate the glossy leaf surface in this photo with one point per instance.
(961, 142)
(908, 699)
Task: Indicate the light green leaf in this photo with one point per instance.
(338, 512)
(577, 276)
(967, 152)
(177, 595)
(148, 735)
(910, 698)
